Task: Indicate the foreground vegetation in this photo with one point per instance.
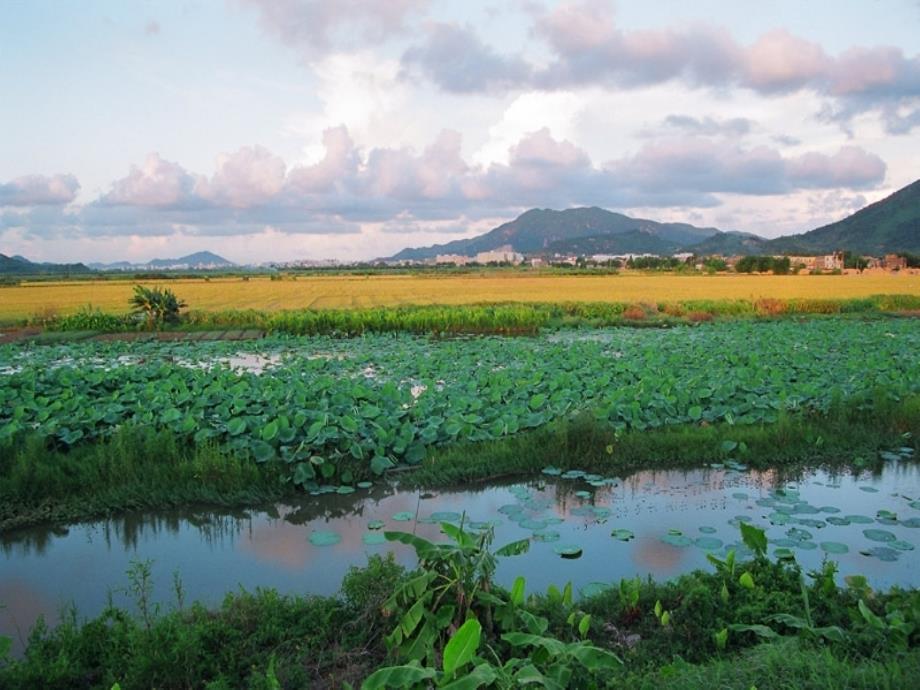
(747, 624)
(43, 301)
(335, 412)
(142, 468)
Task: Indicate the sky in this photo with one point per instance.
(278, 130)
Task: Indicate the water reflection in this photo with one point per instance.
(217, 550)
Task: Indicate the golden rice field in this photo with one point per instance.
(343, 292)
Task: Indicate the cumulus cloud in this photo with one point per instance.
(706, 166)
(248, 177)
(587, 48)
(406, 190)
(39, 190)
(457, 60)
(314, 27)
(157, 182)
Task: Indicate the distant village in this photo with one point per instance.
(836, 261)
(505, 256)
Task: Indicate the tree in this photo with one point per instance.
(158, 306)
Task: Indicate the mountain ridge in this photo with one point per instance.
(889, 225)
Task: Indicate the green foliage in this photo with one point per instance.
(353, 410)
(157, 306)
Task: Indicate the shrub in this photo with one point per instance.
(157, 306)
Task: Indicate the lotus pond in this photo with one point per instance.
(587, 529)
(340, 410)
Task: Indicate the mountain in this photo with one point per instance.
(536, 230)
(198, 260)
(631, 242)
(731, 243)
(19, 265)
(887, 226)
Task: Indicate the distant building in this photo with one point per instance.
(824, 262)
(499, 256)
(832, 262)
(683, 256)
(893, 262)
(457, 259)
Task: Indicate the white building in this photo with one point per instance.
(457, 259)
(499, 256)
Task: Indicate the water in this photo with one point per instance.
(217, 551)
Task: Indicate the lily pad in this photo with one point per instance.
(708, 543)
(403, 516)
(869, 489)
(837, 521)
(511, 509)
(778, 518)
(834, 547)
(901, 545)
(622, 534)
(552, 471)
(809, 522)
(364, 485)
(708, 530)
(883, 553)
(376, 524)
(446, 516)
(830, 510)
(740, 495)
(798, 534)
(677, 540)
(533, 524)
(344, 490)
(860, 519)
(568, 551)
(806, 545)
(913, 522)
(373, 538)
(583, 494)
(324, 538)
(879, 535)
(546, 535)
(784, 554)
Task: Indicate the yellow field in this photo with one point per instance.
(328, 292)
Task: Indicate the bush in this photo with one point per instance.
(158, 306)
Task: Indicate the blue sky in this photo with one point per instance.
(284, 129)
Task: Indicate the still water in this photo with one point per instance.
(668, 521)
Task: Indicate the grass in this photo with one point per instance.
(260, 293)
(850, 435)
(141, 468)
(136, 468)
(787, 665)
(505, 318)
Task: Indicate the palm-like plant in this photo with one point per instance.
(157, 305)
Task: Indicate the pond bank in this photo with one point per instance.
(142, 469)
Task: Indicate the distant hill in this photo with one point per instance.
(632, 242)
(198, 260)
(731, 244)
(887, 226)
(19, 265)
(535, 231)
